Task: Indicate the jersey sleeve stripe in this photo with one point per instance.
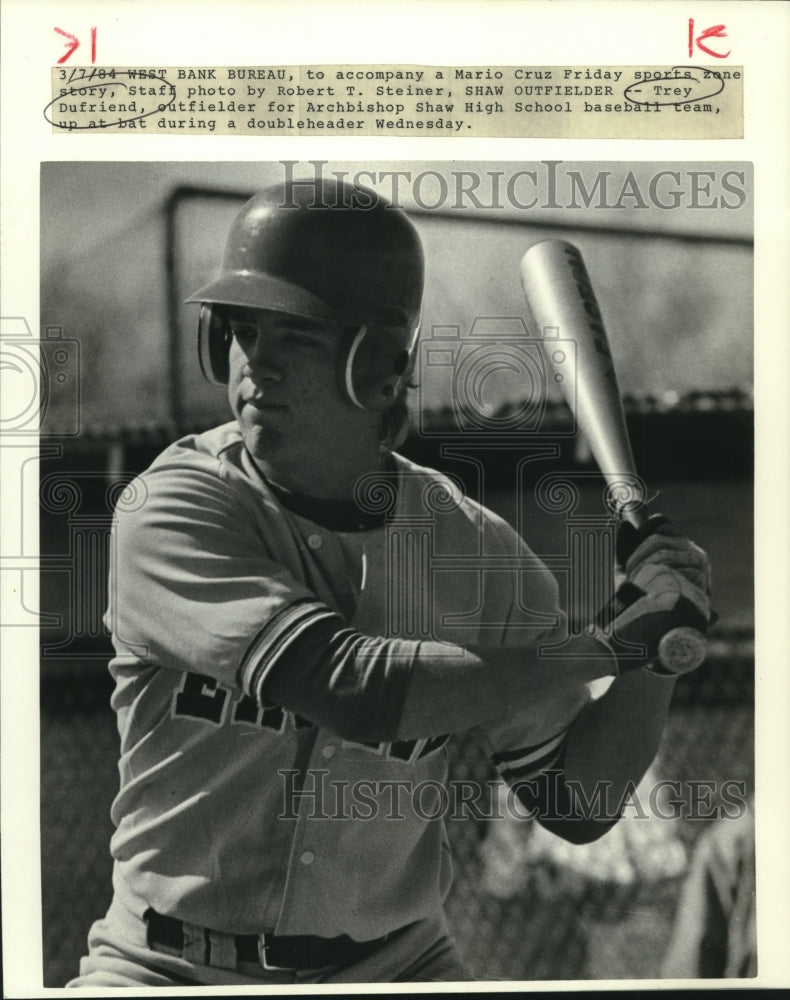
(275, 637)
(518, 755)
(534, 760)
(531, 770)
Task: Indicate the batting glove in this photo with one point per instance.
(666, 586)
(658, 542)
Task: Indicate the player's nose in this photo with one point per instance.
(264, 357)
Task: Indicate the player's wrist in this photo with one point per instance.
(607, 645)
(595, 650)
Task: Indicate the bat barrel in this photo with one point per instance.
(570, 327)
(569, 323)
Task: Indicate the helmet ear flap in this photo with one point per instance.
(214, 337)
(372, 365)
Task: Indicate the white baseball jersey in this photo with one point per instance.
(243, 817)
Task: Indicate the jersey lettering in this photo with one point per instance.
(247, 710)
(433, 744)
(201, 697)
(273, 717)
(376, 748)
(405, 750)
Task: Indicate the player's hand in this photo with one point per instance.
(659, 543)
(654, 601)
(664, 585)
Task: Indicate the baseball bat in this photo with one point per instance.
(574, 340)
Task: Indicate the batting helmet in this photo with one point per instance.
(324, 250)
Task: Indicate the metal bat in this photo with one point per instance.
(562, 301)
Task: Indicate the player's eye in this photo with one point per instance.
(244, 333)
(303, 338)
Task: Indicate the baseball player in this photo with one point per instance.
(288, 670)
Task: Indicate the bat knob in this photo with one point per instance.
(682, 650)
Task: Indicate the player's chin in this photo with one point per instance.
(263, 438)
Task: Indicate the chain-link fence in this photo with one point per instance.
(524, 905)
(528, 906)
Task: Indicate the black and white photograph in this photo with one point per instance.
(411, 506)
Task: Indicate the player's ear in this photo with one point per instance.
(373, 364)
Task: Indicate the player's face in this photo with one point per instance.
(284, 393)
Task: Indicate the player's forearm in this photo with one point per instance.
(458, 689)
(613, 740)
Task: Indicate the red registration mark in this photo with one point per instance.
(714, 31)
(73, 43)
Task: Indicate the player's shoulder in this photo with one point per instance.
(429, 491)
(200, 467)
(209, 450)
